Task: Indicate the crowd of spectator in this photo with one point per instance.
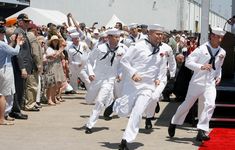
(36, 62)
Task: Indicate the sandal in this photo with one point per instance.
(51, 104)
(7, 123)
(56, 101)
(60, 99)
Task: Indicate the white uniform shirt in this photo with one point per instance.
(201, 56)
(130, 39)
(103, 69)
(138, 59)
(78, 55)
(167, 61)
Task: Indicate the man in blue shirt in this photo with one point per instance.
(7, 86)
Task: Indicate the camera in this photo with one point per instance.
(2, 29)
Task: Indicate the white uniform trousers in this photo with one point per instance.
(207, 96)
(93, 91)
(118, 89)
(123, 105)
(38, 96)
(74, 77)
(103, 99)
(139, 105)
(85, 78)
(150, 110)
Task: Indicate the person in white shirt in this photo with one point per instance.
(78, 55)
(141, 66)
(95, 37)
(206, 62)
(7, 86)
(167, 62)
(103, 69)
(134, 35)
(103, 39)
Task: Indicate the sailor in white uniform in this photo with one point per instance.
(167, 62)
(134, 35)
(141, 64)
(206, 62)
(78, 55)
(103, 69)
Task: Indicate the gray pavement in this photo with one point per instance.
(61, 127)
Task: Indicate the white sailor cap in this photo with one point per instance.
(72, 29)
(156, 27)
(74, 35)
(113, 31)
(133, 25)
(103, 34)
(218, 31)
(177, 35)
(167, 32)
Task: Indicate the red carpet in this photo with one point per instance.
(221, 139)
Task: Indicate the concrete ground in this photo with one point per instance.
(61, 127)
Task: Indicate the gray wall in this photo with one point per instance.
(172, 14)
(165, 12)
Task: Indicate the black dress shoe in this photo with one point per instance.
(73, 92)
(157, 109)
(107, 118)
(123, 145)
(201, 136)
(70, 92)
(18, 116)
(148, 123)
(108, 111)
(166, 98)
(67, 92)
(171, 130)
(88, 130)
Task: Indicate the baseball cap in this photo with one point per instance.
(23, 17)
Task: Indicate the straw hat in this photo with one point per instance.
(54, 37)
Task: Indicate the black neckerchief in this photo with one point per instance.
(133, 39)
(77, 50)
(139, 37)
(212, 60)
(155, 48)
(110, 51)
